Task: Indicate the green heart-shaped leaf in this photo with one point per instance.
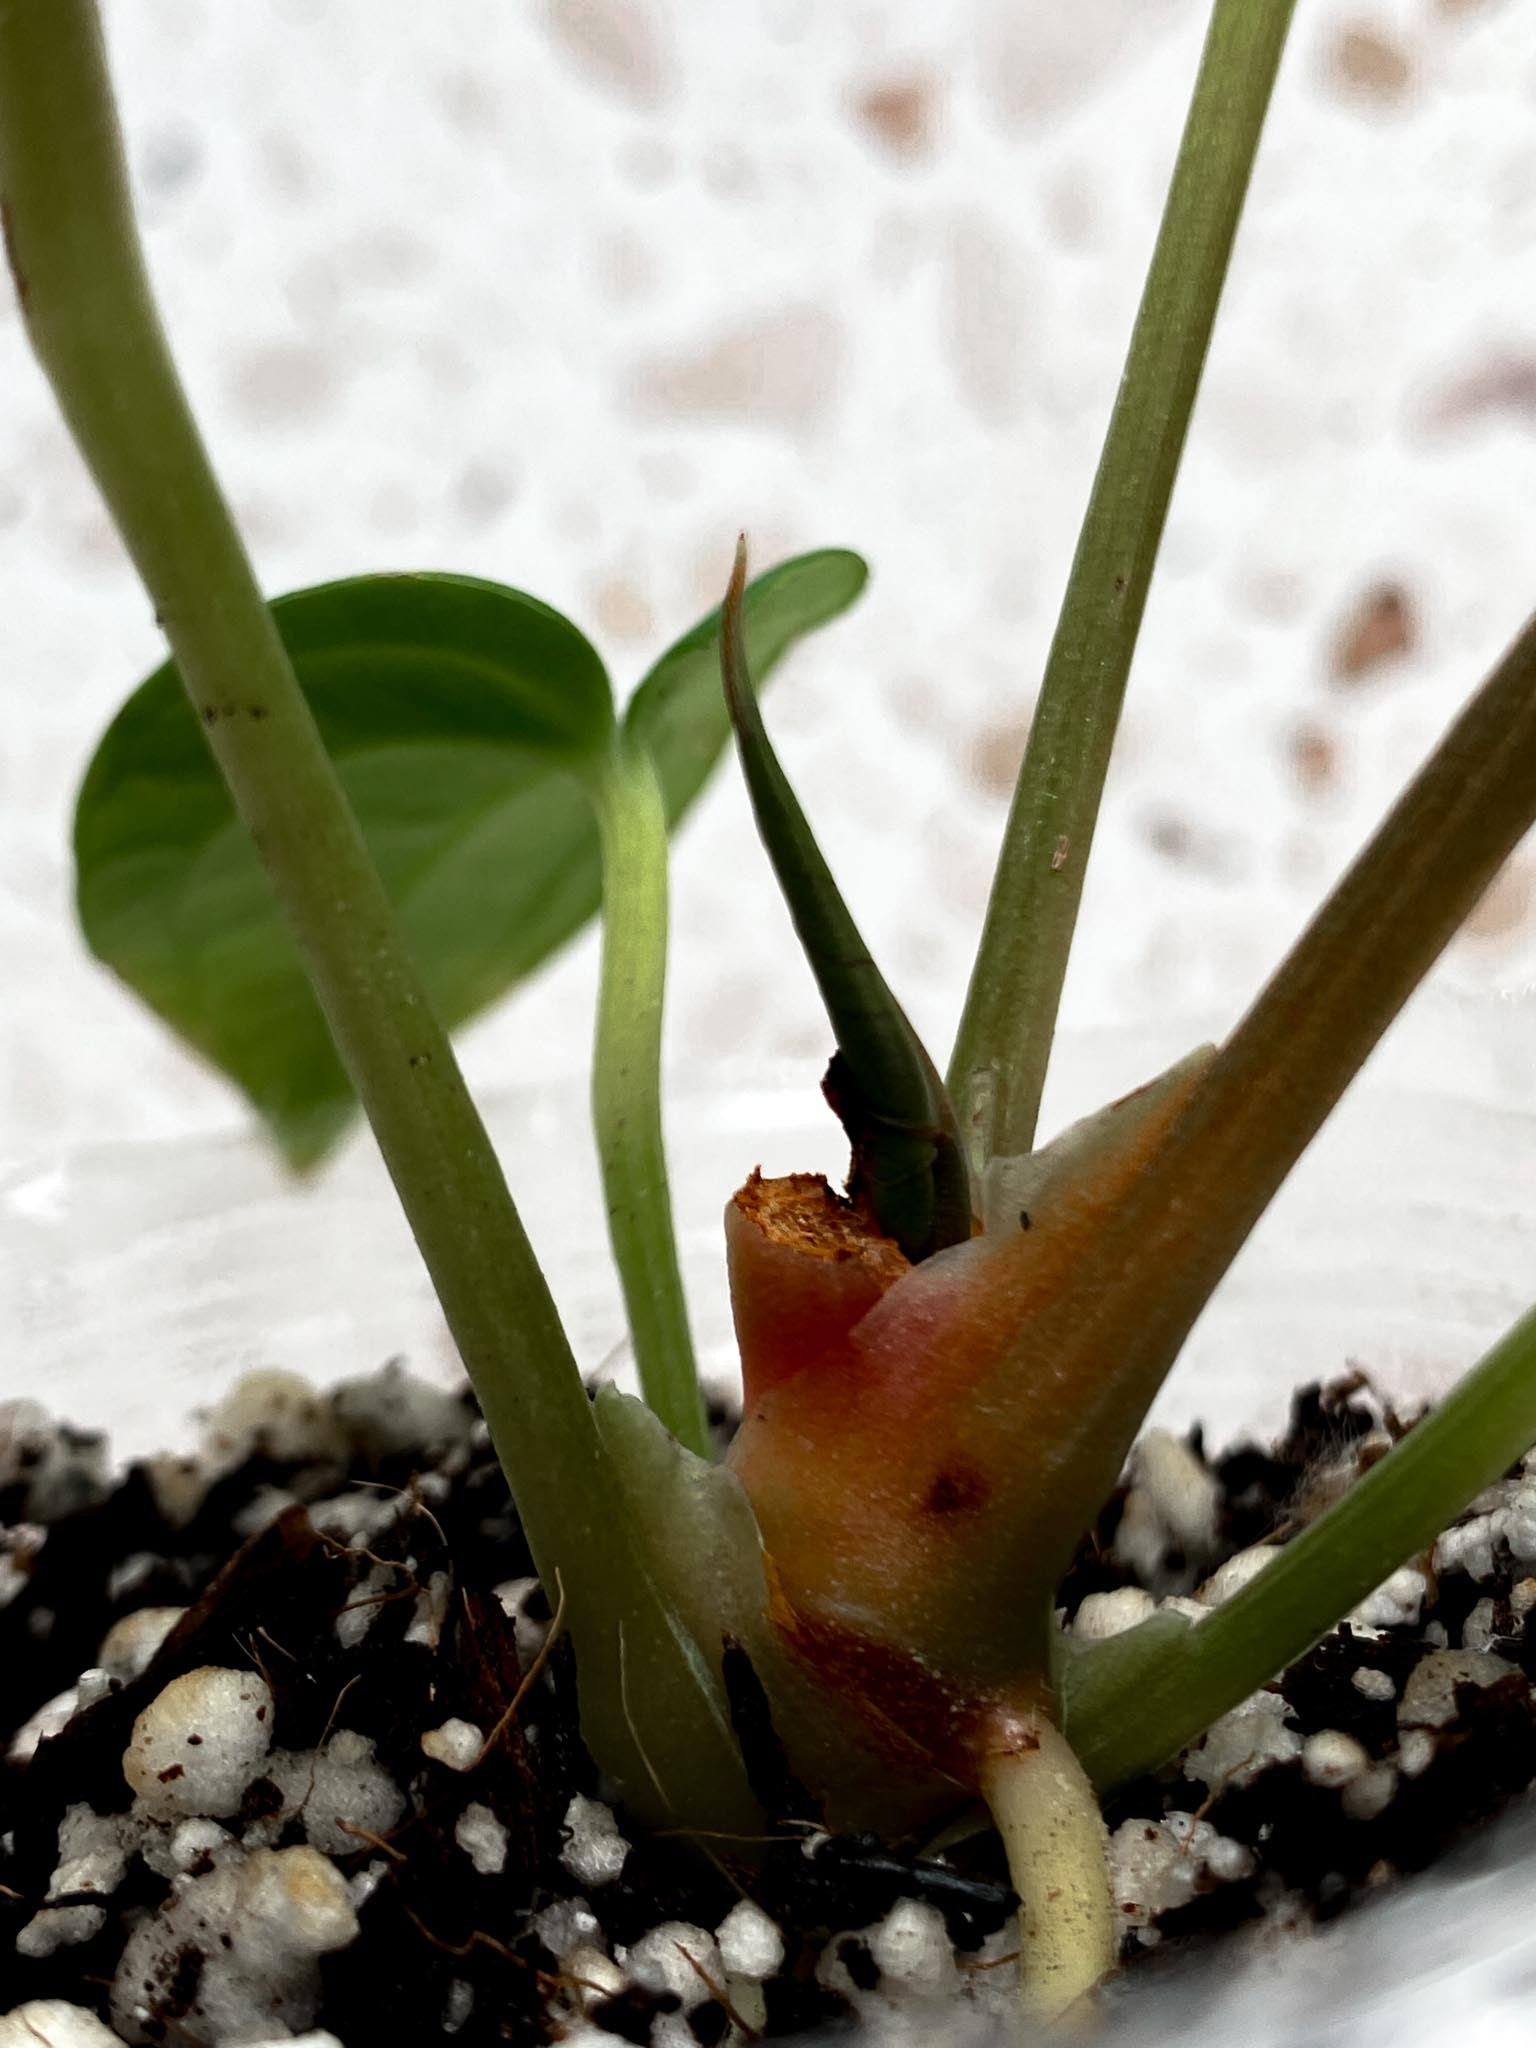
(461, 716)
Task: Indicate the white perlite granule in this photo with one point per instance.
(199, 1743)
(912, 1950)
(483, 1839)
(568, 1924)
(675, 1957)
(1470, 1546)
(1395, 1602)
(391, 1411)
(1429, 1697)
(528, 1632)
(130, 1643)
(1371, 1793)
(750, 1942)
(1478, 1631)
(1102, 1615)
(431, 1612)
(361, 1610)
(51, 1716)
(272, 1411)
(1156, 1866)
(596, 1850)
(1415, 1752)
(1236, 1573)
(334, 1790)
(261, 1921)
(93, 1855)
(54, 2023)
(592, 1977)
(1332, 1758)
(1372, 1684)
(57, 1470)
(1239, 1745)
(457, 1744)
(1171, 1505)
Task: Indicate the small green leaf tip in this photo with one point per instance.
(908, 1165)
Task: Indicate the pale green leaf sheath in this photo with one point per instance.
(626, 1087)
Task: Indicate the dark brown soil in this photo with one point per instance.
(432, 1924)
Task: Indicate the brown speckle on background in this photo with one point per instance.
(617, 44)
(1502, 384)
(1366, 63)
(1506, 905)
(1381, 628)
(622, 611)
(781, 369)
(898, 116)
(1314, 758)
(996, 754)
(283, 383)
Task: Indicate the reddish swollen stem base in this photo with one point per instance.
(806, 1268)
(920, 1469)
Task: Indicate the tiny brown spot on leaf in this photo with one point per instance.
(958, 1490)
(1381, 628)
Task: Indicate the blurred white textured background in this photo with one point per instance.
(566, 292)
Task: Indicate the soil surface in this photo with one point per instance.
(290, 1749)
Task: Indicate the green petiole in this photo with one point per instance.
(626, 1086)
(1003, 1045)
(75, 254)
(1130, 1705)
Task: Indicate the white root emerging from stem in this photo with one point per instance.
(1058, 1859)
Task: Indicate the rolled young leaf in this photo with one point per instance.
(907, 1160)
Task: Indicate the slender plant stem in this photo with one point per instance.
(1139, 1716)
(1058, 1861)
(1004, 1041)
(79, 272)
(626, 1088)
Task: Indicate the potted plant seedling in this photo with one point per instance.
(944, 1366)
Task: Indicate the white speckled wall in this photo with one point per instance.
(566, 292)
